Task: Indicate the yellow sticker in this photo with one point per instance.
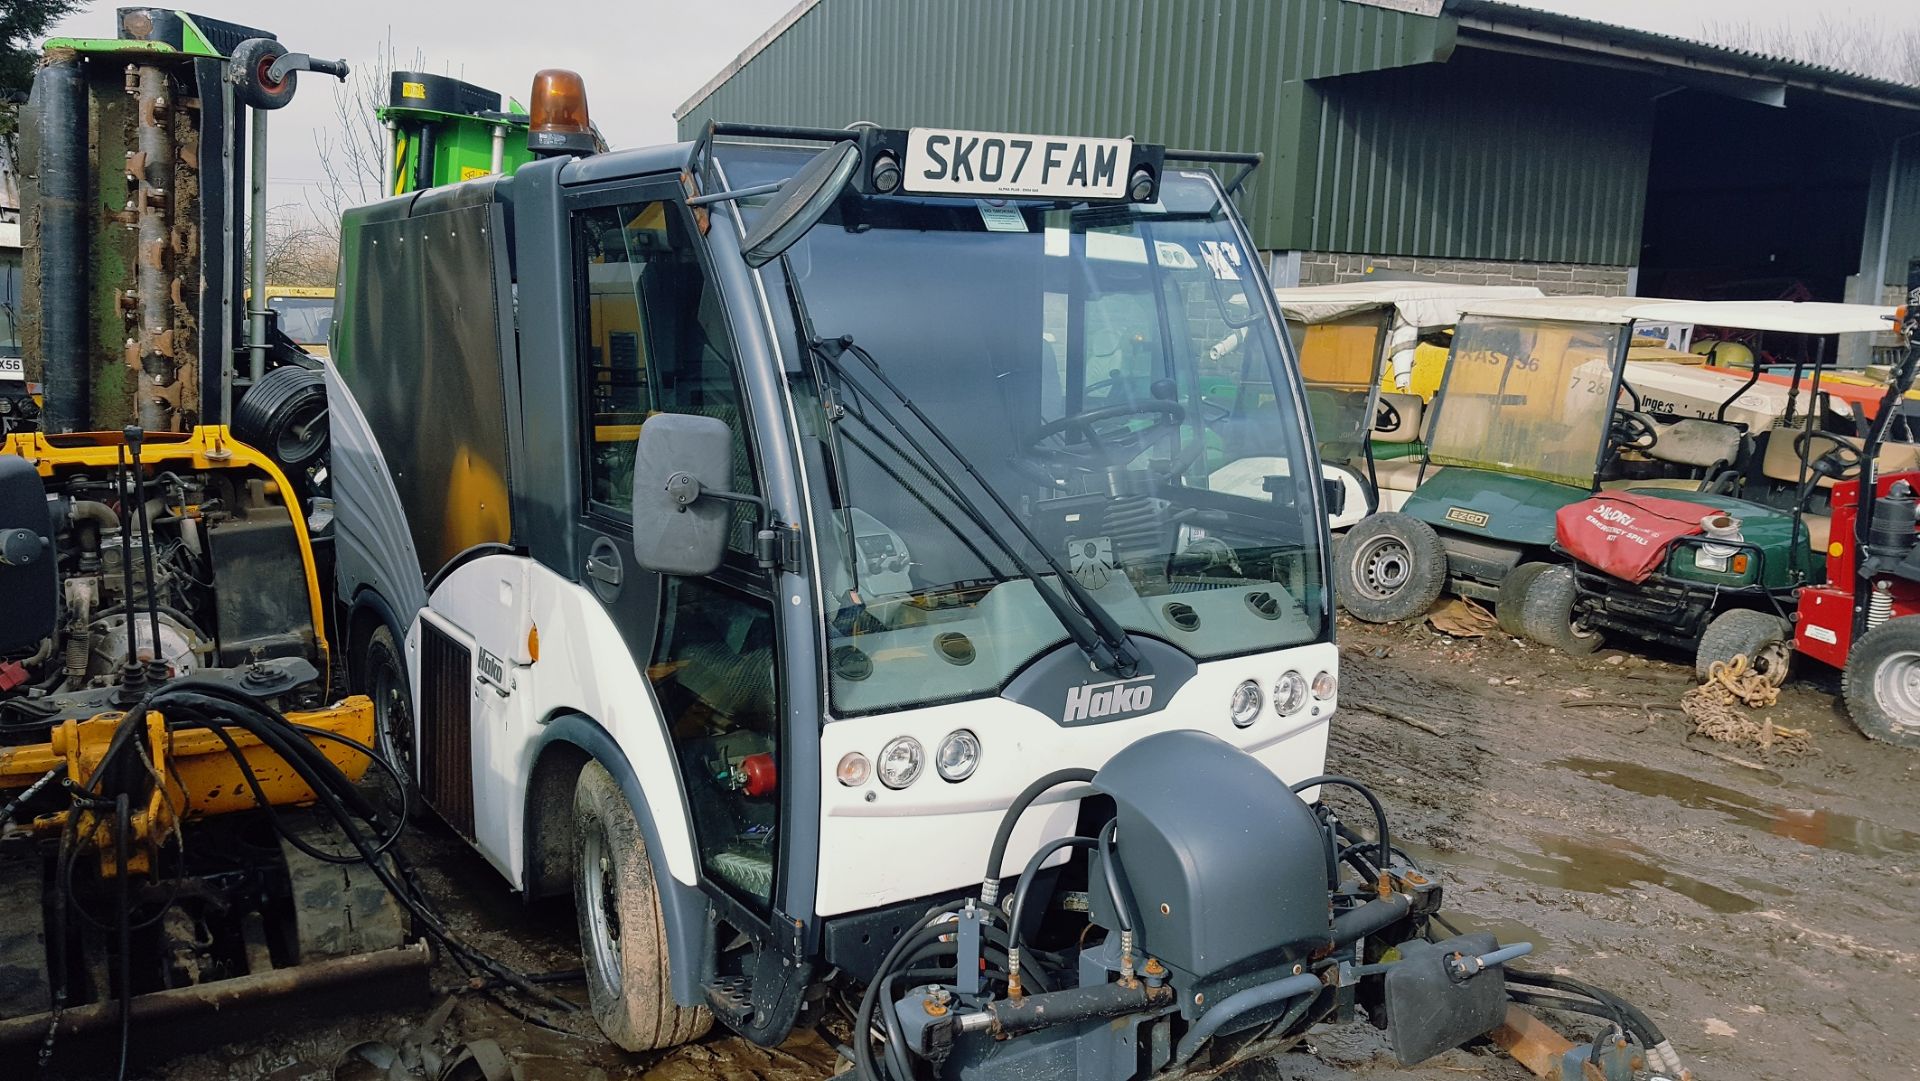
(1836, 550)
(468, 172)
(1466, 517)
(414, 90)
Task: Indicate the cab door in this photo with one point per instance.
(654, 339)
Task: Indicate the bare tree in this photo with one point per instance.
(300, 251)
(353, 151)
(1866, 47)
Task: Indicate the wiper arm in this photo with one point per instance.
(1092, 627)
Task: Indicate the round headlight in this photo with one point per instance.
(1324, 684)
(959, 755)
(853, 769)
(1244, 706)
(900, 762)
(1289, 693)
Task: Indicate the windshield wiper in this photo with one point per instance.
(1091, 626)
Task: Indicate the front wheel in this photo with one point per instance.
(623, 933)
(383, 678)
(1389, 567)
(1741, 632)
(1881, 683)
(1547, 613)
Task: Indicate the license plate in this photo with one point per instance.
(13, 369)
(946, 162)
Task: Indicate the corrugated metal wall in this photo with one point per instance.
(1210, 74)
(1903, 234)
(1488, 157)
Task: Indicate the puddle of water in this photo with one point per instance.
(1507, 932)
(1817, 827)
(1610, 870)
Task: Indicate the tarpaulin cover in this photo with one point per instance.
(1624, 534)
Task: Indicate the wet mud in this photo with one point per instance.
(1765, 912)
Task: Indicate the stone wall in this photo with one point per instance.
(1326, 268)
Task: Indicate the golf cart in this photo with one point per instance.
(1706, 569)
(1346, 335)
(1525, 423)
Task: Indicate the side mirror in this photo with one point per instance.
(803, 200)
(1336, 495)
(681, 466)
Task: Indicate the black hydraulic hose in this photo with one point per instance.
(990, 886)
(1032, 872)
(122, 826)
(1590, 1007)
(863, 1016)
(1641, 1024)
(1122, 903)
(1379, 812)
(1241, 1003)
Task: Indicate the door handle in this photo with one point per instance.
(605, 571)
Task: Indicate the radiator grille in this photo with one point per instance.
(446, 733)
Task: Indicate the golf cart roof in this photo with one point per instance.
(1785, 316)
(1418, 303)
(1808, 317)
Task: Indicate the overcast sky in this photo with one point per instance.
(642, 58)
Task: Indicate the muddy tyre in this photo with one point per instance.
(1761, 638)
(623, 934)
(1509, 608)
(1546, 614)
(1881, 683)
(383, 678)
(1389, 567)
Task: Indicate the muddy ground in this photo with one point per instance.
(1764, 910)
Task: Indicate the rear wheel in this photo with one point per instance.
(1881, 683)
(1757, 636)
(1547, 613)
(1510, 606)
(383, 678)
(623, 934)
(1390, 567)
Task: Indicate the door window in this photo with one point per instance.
(655, 342)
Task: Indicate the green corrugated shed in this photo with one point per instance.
(1477, 130)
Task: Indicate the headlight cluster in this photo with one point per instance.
(903, 759)
(1289, 695)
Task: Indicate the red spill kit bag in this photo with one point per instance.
(1626, 535)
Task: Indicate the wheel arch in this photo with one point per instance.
(567, 742)
(367, 612)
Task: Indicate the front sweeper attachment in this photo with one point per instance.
(1209, 916)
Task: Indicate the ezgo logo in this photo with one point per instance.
(1102, 700)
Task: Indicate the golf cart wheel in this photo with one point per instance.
(382, 677)
(1881, 683)
(1546, 614)
(1762, 639)
(623, 935)
(1509, 608)
(1390, 567)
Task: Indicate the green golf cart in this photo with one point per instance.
(1719, 572)
(1526, 421)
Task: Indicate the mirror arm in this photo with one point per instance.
(737, 193)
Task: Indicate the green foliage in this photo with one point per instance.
(22, 24)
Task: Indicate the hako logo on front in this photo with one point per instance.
(1095, 701)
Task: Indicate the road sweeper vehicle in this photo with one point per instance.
(800, 546)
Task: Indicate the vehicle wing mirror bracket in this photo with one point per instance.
(681, 465)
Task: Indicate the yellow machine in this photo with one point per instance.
(305, 314)
(166, 703)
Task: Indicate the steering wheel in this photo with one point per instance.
(1106, 447)
(1386, 418)
(1632, 431)
(1841, 461)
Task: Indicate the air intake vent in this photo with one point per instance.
(446, 733)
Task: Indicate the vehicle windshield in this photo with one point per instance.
(307, 320)
(1528, 397)
(1105, 372)
(9, 302)
(1339, 364)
